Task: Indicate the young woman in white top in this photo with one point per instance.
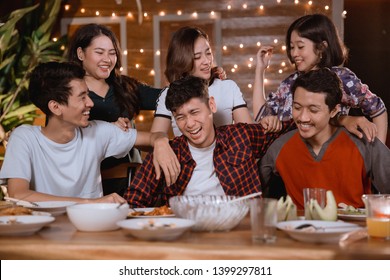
(189, 53)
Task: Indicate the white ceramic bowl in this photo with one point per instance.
(210, 212)
(165, 229)
(97, 216)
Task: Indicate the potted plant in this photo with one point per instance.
(25, 41)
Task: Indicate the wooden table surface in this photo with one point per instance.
(61, 240)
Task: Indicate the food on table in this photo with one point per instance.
(151, 224)
(350, 210)
(158, 211)
(287, 210)
(328, 213)
(15, 211)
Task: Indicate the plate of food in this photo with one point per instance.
(348, 212)
(164, 229)
(155, 212)
(356, 214)
(14, 210)
(315, 231)
(55, 208)
(23, 225)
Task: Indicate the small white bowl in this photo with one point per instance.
(165, 229)
(97, 216)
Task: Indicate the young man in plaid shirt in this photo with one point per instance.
(214, 161)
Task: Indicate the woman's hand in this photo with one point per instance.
(264, 57)
(358, 126)
(123, 123)
(271, 124)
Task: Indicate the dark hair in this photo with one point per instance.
(322, 81)
(51, 81)
(126, 96)
(180, 56)
(184, 89)
(319, 29)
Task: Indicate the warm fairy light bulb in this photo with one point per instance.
(55, 39)
(145, 14)
(67, 7)
(141, 118)
(179, 13)
(296, 1)
(235, 66)
(249, 65)
(121, 69)
(82, 10)
(249, 85)
(344, 14)
(158, 52)
(229, 7)
(212, 13)
(279, 1)
(326, 7)
(275, 41)
(310, 3)
(265, 81)
(141, 50)
(251, 59)
(261, 7)
(130, 15)
(152, 73)
(162, 13)
(125, 52)
(224, 48)
(258, 44)
(62, 48)
(241, 46)
(280, 71)
(284, 48)
(244, 6)
(137, 66)
(195, 14)
(97, 13)
(113, 15)
(233, 70)
(283, 64)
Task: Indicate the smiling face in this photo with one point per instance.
(303, 53)
(312, 116)
(99, 58)
(195, 121)
(203, 59)
(76, 112)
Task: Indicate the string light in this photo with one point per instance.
(179, 12)
(67, 7)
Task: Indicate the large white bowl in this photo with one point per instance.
(210, 212)
(97, 216)
(165, 229)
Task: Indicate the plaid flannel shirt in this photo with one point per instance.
(235, 155)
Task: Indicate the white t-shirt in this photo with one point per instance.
(71, 169)
(227, 95)
(204, 180)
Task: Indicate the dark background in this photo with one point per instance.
(367, 35)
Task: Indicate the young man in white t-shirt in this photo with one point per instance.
(61, 161)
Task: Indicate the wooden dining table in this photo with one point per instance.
(61, 240)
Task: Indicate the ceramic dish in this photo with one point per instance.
(325, 232)
(359, 215)
(55, 208)
(146, 216)
(164, 229)
(23, 225)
